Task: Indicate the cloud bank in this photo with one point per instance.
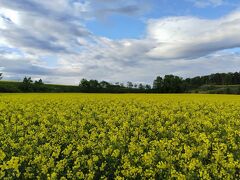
(31, 31)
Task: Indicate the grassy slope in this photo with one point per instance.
(13, 86)
(218, 89)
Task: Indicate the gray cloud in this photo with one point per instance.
(129, 10)
(107, 7)
(24, 40)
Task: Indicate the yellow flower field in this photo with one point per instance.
(129, 136)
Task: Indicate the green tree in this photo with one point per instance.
(84, 84)
(196, 81)
(94, 84)
(39, 82)
(141, 86)
(172, 84)
(104, 84)
(89, 86)
(148, 87)
(158, 84)
(39, 86)
(27, 84)
(129, 85)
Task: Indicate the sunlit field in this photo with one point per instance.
(129, 136)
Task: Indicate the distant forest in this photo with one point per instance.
(224, 83)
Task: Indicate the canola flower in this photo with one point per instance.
(103, 136)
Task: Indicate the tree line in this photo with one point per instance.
(166, 84)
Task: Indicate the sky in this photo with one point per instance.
(63, 41)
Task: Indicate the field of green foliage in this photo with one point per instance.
(104, 136)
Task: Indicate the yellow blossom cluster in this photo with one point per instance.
(129, 136)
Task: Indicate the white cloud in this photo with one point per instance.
(205, 3)
(191, 37)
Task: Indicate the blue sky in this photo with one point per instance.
(118, 26)
(62, 41)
